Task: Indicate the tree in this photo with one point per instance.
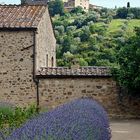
(77, 9)
(128, 4)
(23, 1)
(125, 12)
(122, 12)
(128, 71)
(56, 7)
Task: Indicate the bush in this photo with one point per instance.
(81, 119)
(77, 10)
(127, 73)
(12, 117)
(60, 29)
(56, 7)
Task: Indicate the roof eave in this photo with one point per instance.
(18, 29)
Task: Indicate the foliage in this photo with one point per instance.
(125, 12)
(56, 7)
(86, 36)
(23, 1)
(128, 71)
(128, 4)
(77, 9)
(80, 119)
(122, 13)
(12, 117)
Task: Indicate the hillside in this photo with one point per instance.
(91, 39)
(117, 23)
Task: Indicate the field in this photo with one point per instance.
(117, 23)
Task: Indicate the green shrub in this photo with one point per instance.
(12, 117)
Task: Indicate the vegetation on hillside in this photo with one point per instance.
(127, 73)
(56, 7)
(104, 37)
(92, 38)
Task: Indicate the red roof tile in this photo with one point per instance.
(17, 16)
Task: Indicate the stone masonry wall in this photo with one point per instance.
(45, 43)
(83, 3)
(56, 91)
(60, 85)
(16, 67)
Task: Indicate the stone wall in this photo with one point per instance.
(45, 43)
(60, 85)
(16, 67)
(70, 4)
(83, 3)
(56, 91)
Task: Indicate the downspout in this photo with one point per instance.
(35, 79)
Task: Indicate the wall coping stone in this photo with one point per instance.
(90, 71)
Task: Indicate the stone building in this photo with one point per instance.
(28, 72)
(27, 43)
(70, 4)
(94, 7)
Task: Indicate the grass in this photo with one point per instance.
(118, 27)
(13, 117)
(117, 23)
(132, 23)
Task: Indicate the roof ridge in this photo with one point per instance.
(23, 4)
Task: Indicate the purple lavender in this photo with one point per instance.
(81, 119)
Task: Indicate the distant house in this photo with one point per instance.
(70, 4)
(93, 7)
(27, 43)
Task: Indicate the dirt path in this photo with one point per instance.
(125, 129)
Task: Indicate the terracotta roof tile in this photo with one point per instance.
(17, 16)
(74, 72)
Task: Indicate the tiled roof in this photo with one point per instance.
(17, 16)
(75, 72)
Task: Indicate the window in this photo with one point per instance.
(52, 61)
(47, 60)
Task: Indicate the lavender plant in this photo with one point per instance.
(81, 119)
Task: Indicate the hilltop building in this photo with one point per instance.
(93, 7)
(70, 4)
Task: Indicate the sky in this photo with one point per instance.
(104, 3)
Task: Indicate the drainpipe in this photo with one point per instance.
(35, 79)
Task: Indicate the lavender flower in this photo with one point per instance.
(81, 119)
